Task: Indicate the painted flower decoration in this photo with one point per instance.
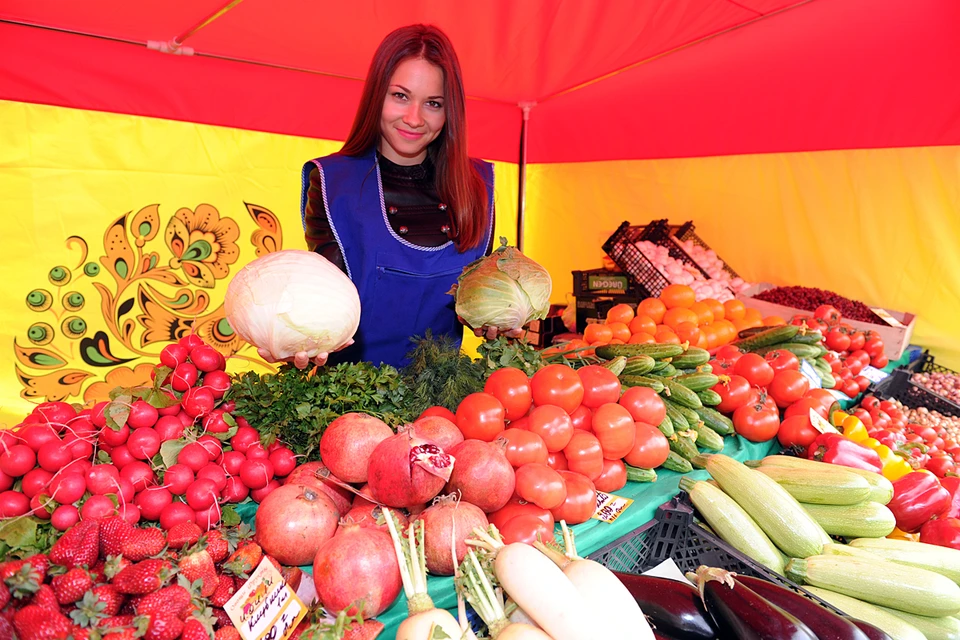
(122, 376)
(203, 245)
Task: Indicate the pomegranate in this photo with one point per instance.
(293, 521)
(364, 498)
(407, 471)
(357, 564)
(448, 521)
(438, 429)
(346, 445)
(483, 475)
(372, 517)
(318, 476)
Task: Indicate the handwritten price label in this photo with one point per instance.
(610, 507)
(265, 607)
(873, 374)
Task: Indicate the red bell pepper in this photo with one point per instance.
(917, 497)
(838, 449)
(944, 532)
(952, 484)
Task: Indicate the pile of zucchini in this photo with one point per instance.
(806, 345)
(782, 514)
(682, 377)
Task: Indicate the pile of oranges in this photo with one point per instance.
(675, 317)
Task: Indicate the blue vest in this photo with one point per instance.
(403, 287)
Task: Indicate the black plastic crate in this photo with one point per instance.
(595, 309)
(621, 247)
(660, 232)
(686, 231)
(600, 282)
(899, 386)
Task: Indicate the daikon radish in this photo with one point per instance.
(475, 586)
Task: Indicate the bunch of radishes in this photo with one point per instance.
(166, 453)
(677, 272)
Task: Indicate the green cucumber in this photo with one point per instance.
(799, 350)
(681, 394)
(752, 331)
(656, 351)
(709, 397)
(810, 337)
(688, 414)
(677, 419)
(616, 365)
(638, 365)
(771, 336)
(707, 438)
(666, 427)
(660, 365)
(668, 371)
(704, 368)
(641, 381)
(692, 357)
(698, 381)
(827, 380)
(715, 420)
(684, 444)
(676, 462)
(636, 474)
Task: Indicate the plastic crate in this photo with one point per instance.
(687, 232)
(622, 249)
(899, 386)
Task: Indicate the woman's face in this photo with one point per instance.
(413, 111)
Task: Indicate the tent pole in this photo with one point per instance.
(522, 169)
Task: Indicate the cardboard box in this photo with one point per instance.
(895, 339)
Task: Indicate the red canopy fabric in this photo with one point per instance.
(617, 79)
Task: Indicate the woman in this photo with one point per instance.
(401, 209)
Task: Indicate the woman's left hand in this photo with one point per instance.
(491, 333)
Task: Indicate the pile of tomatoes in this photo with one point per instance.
(851, 345)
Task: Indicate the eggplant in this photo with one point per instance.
(871, 631)
(826, 624)
(739, 612)
(674, 608)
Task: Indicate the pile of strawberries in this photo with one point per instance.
(106, 579)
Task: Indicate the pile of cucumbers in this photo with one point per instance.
(806, 345)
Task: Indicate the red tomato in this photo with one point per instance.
(802, 408)
(557, 461)
(760, 396)
(600, 385)
(541, 485)
(518, 507)
(644, 404)
(480, 416)
(581, 500)
(756, 423)
(522, 423)
(553, 425)
(584, 454)
(827, 313)
(722, 367)
(443, 412)
(940, 465)
(526, 529)
(837, 339)
(781, 359)
(613, 426)
(524, 447)
(873, 347)
(512, 388)
(797, 431)
(558, 385)
(854, 364)
(857, 340)
(865, 418)
(650, 449)
(729, 353)
(861, 355)
(754, 369)
(851, 388)
(880, 361)
(788, 387)
(734, 393)
(870, 402)
(863, 383)
(613, 477)
(582, 418)
(825, 398)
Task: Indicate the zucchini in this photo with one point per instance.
(890, 624)
(638, 365)
(678, 419)
(810, 337)
(666, 426)
(641, 381)
(683, 443)
(707, 438)
(867, 519)
(732, 524)
(715, 420)
(945, 628)
(886, 584)
(616, 365)
(881, 489)
(709, 397)
(942, 560)
(777, 512)
(770, 336)
(691, 358)
(681, 394)
(799, 350)
(820, 486)
(676, 462)
(698, 381)
(655, 351)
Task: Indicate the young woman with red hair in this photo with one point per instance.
(401, 209)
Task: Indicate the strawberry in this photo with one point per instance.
(224, 591)
(80, 633)
(23, 579)
(115, 622)
(114, 565)
(276, 563)
(114, 532)
(46, 598)
(144, 543)
(143, 577)
(198, 565)
(244, 560)
(6, 628)
(91, 609)
(183, 534)
(38, 623)
(79, 546)
(227, 633)
(217, 546)
(194, 629)
(223, 620)
(4, 595)
(173, 599)
(71, 586)
(127, 633)
(111, 598)
(292, 576)
(163, 626)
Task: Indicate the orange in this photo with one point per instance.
(653, 308)
(616, 341)
(703, 311)
(667, 337)
(597, 333)
(678, 295)
(643, 324)
(701, 340)
(733, 309)
(675, 316)
(711, 331)
(575, 344)
(753, 315)
(773, 321)
(620, 313)
(740, 325)
(620, 331)
(688, 332)
(716, 308)
(641, 337)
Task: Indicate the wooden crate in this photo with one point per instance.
(895, 339)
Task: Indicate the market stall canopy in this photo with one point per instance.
(731, 76)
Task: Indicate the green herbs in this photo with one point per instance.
(507, 352)
(439, 373)
(296, 406)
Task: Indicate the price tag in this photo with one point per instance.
(807, 369)
(886, 317)
(265, 607)
(610, 507)
(873, 374)
(820, 424)
(839, 395)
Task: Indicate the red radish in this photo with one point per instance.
(244, 438)
(139, 474)
(406, 471)
(213, 447)
(78, 448)
(446, 522)
(13, 504)
(184, 419)
(348, 443)
(256, 473)
(438, 429)
(214, 473)
(82, 427)
(190, 341)
(184, 377)
(201, 494)
(35, 481)
(256, 450)
(173, 355)
(293, 521)
(53, 456)
(38, 507)
(129, 512)
(177, 478)
(153, 501)
(56, 413)
(194, 456)
(318, 476)
(17, 460)
(357, 564)
(37, 435)
(6, 482)
(218, 382)
(103, 479)
(198, 402)
(169, 427)
(371, 516)
(67, 488)
(235, 490)
(64, 517)
(208, 518)
(143, 444)
(126, 491)
(114, 438)
(171, 410)
(175, 513)
(284, 462)
(205, 358)
(213, 422)
(482, 475)
(142, 415)
(259, 495)
(97, 507)
(232, 461)
(97, 416)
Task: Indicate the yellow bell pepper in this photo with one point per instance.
(837, 418)
(894, 467)
(903, 535)
(853, 428)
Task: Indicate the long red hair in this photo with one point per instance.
(458, 181)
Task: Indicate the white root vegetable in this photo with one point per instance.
(602, 591)
(516, 614)
(540, 588)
